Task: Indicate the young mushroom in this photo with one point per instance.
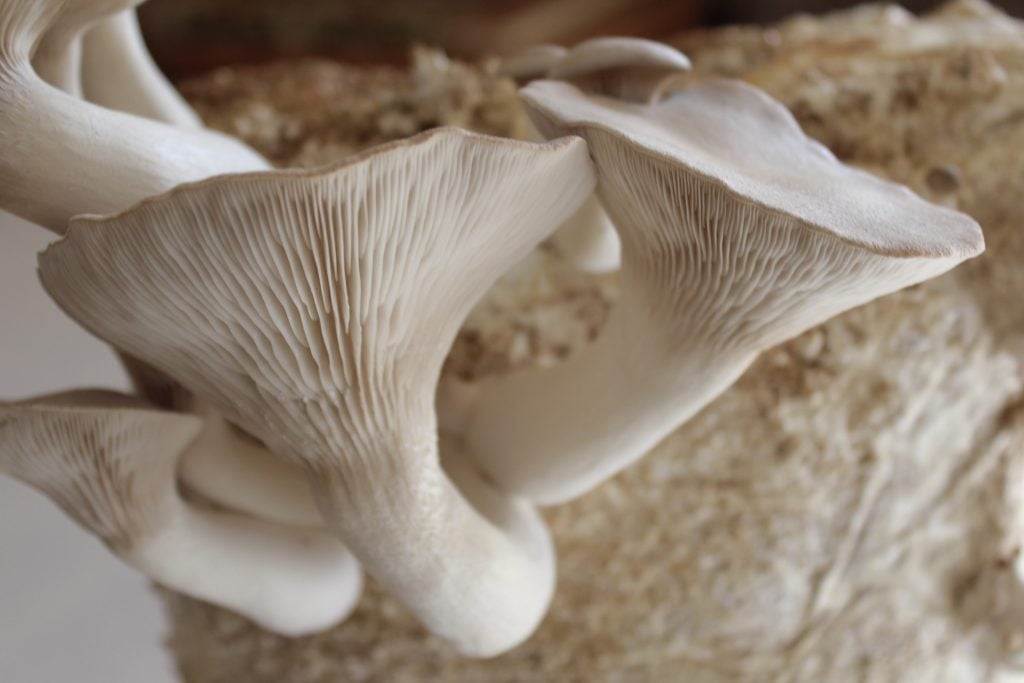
(738, 232)
(315, 309)
(531, 63)
(62, 156)
(631, 69)
(109, 463)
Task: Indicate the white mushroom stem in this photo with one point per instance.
(738, 233)
(60, 64)
(63, 157)
(119, 73)
(315, 309)
(231, 469)
(113, 470)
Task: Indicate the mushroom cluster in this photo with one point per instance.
(287, 329)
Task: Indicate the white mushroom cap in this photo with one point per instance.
(738, 233)
(532, 62)
(315, 309)
(64, 157)
(631, 69)
(111, 467)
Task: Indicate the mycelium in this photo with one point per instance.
(631, 69)
(109, 462)
(738, 233)
(314, 310)
(63, 156)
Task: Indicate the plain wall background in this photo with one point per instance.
(69, 610)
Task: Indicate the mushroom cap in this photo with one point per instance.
(264, 291)
(632, 69)
(736, 137)
(532, 62)
(735, 223)
(615, 52)
(104, 459)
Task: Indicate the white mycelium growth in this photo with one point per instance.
(62, 156)
(738, 233)
(314, 310)
(111, 467)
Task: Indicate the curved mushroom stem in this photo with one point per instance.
(476, 570)
(64, 157)
(119, 73)
(588, 239)
(551, 435)
(230, 468)
(288, 580)
(110, 465)
(60, 64)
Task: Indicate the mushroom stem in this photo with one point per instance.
(288, 580)
(119, 73)
(64, 157)
(110, 465)
(232, 469)
(60, 64)
(554, 434)
(484, 576)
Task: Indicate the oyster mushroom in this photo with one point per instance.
(110, 462)
(738, 232)
(314, 310)
(62, 156)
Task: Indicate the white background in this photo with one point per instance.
(69, 611)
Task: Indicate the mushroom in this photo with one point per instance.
(531, 63)
(109, 463)
(64, 157)
(119, 73)
(631, 69)
(739, 232)
(314, 309)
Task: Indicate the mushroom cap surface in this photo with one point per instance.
(106, 463)
(737, 138)
(261, 291)
(617, 52)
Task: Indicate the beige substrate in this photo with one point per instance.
(850, 510)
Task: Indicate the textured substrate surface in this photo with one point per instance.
(850, 510)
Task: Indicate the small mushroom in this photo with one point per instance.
(738, 232)
(314, 309)
(109, 463)
(64, 157)
(532, 63)
(118, 73)
(631, 69)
